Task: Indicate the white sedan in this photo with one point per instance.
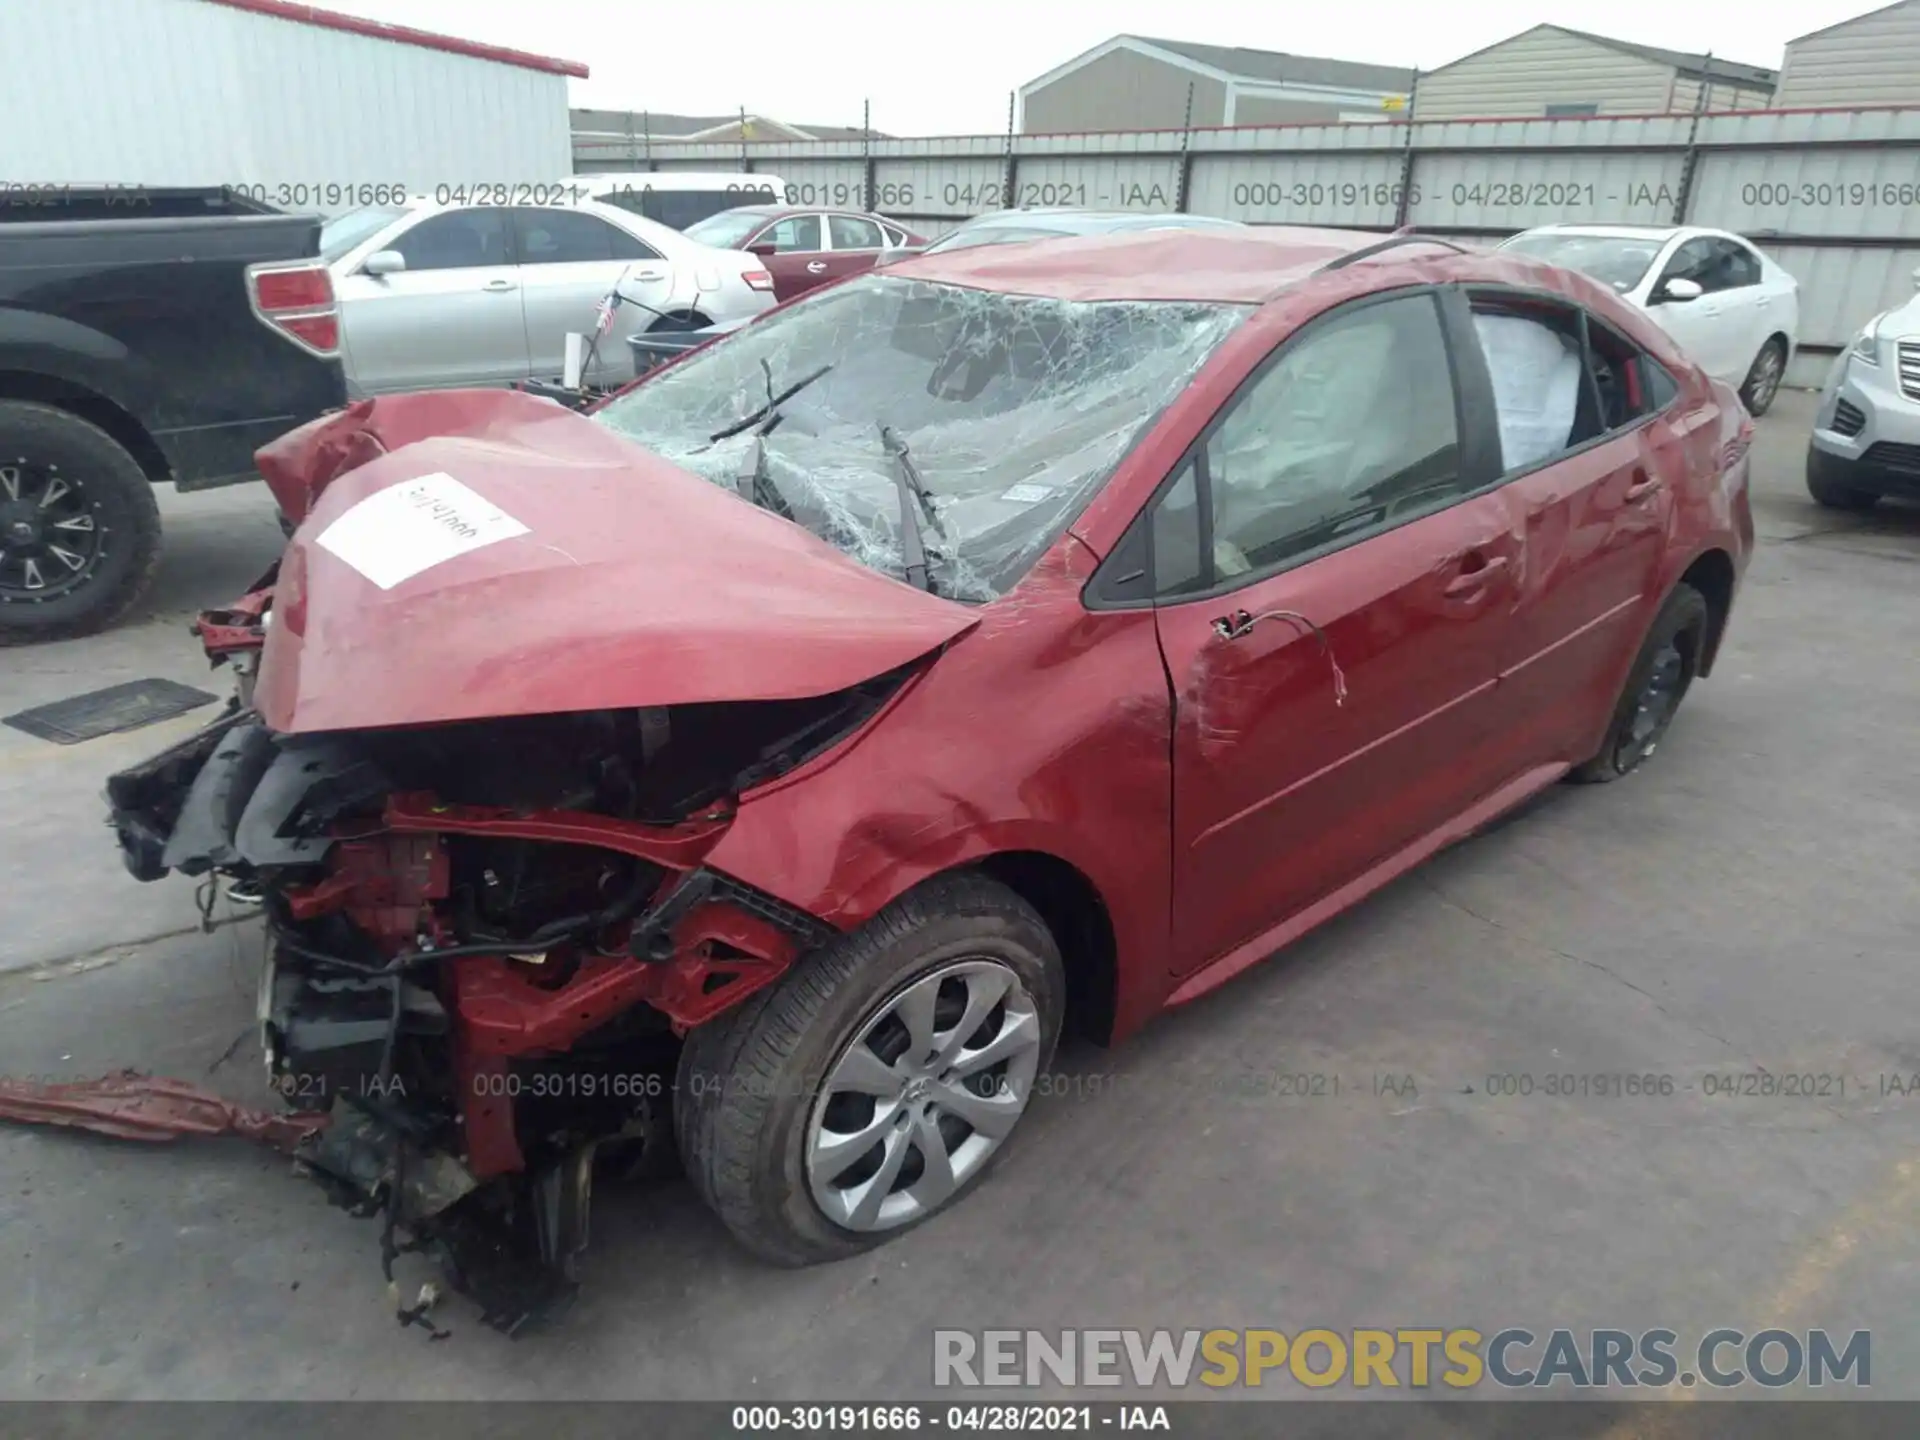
(1731, 308)
(439, 296)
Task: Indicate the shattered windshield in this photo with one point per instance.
(1619, 261)
(1012, 411)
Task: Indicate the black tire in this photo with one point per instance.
(1764, 376)
(1829, 491)
(747, 1081)
(42, 440)
(1682, 625)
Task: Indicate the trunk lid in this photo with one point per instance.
(471, 554)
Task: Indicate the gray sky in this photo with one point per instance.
(946, 69)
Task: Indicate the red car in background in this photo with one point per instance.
(1021, 637)
(804, 247)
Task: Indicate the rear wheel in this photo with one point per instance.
(79, 526)
(1662, 673)
(879, 1080)
(1763, 377)
(1827, 489)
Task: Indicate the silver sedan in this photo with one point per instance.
(439, 296)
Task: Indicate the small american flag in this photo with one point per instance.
(603, 313)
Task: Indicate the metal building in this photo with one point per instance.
(1133, 83)
(1872, 59)
(303, 108)
(1552, 71)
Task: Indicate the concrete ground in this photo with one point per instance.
(1745, 903)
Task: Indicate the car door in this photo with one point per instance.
(570, 261)
(1755, 309)
(1333, 581)
(857, 242)
(794, 248)
(1711, 328)
(1590, 460)
(450, 318)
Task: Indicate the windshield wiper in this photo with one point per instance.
(914, 501)
(753, 483)
(772, 407)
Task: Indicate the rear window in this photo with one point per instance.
(1007, 235)
(681, 209)
(1620, 261)
(342, 233)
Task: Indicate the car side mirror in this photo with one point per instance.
(766, 250)
(1679, 290)
(385, 262)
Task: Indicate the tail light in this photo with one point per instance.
(757, 279)
(298, 301)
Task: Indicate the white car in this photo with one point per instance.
(1866, 433)
(1731, 308)
(439, 296)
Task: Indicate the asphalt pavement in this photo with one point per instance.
(1743, 905)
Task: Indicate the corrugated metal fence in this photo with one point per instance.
(1833, 195)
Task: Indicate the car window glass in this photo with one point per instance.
(1692, 261)
(895, 235)
(1660, 386)
(1354, 427)
(1176, 539)
(681, 208)
(1620, 373)
(456, 240)
(561, 237)
(850, 232)
(796, 232)
(1737, 267)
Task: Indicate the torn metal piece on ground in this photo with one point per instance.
(130, 706)
(132, 1106)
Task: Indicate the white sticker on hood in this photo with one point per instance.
(398, 532)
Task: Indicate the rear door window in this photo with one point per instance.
(854, 232)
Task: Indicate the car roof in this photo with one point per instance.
(1229, 267)
(781, 212)
(1612, 232)
(1093, 220)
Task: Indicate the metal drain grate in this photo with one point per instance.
(104, 712)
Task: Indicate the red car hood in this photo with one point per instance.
(470, 554)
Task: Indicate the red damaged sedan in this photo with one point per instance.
(771, 762)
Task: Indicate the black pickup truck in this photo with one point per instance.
(146, 336)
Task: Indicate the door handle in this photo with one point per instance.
(816, 267)
(1643, 485)
(648, 275)
(1471, 582)
(497, 285)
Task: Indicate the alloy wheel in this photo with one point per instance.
(1766, 378)
(930, 1086)
(1658, 700)
(50, 540)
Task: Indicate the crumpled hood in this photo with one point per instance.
(470, 554)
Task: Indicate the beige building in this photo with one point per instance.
(1872, 59)
(1134, 83)
(1551, 71)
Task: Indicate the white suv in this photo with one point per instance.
(1866, 434)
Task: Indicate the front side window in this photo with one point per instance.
(1353, 428)
(795, 234)
(457, 240)
(1013, 410)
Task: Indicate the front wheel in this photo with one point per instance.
(79, 526)
(879, 1080)
(1662, 673)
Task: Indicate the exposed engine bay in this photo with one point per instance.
(485, 940)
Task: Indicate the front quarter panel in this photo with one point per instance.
(1046, 729)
